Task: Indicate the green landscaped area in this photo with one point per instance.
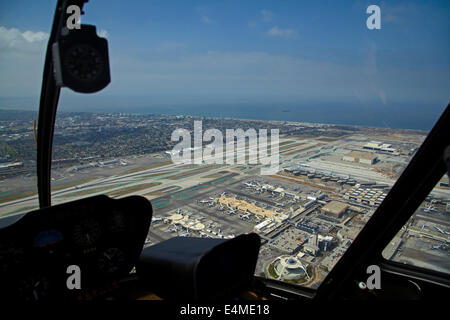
(23, 209)
(146, 167)
(87, 191)
(11, 196)
(132, 189)
(59, 186)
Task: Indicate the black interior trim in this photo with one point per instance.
(47, 107)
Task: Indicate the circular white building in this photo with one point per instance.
(289, 268)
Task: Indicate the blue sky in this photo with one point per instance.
(291, 50)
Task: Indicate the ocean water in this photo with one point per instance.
(404, 117)
(417, 116)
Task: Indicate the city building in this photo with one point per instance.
(289, 268)
(335, 209)
(378, 146)
(366, 158)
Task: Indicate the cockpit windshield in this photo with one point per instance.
(291, 119)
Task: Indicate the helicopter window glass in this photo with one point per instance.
(424, 240)
(23, 41)
(345, 91)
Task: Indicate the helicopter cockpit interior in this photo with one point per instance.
(93, 248)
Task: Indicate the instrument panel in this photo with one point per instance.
(100, 236)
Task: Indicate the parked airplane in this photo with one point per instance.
(429, 208)
(179, 211)
(441, 231)
(245, 216)
(279, 204)
(204, 201)
(223, 194)
(174, 229)
(232, 211)
(221, 208)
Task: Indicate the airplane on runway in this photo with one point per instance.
(440, 230)
(250, 185)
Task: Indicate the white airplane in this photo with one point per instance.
(279, 204)
(211, 198)
(441, 231)
(211, 204)
(175, 229)
(250, 185)
(221, 208)
(204, 201)
(245, 216)
(232, 211)
(186, 234)
(156, 219)
(179, 211)
(223, 194)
